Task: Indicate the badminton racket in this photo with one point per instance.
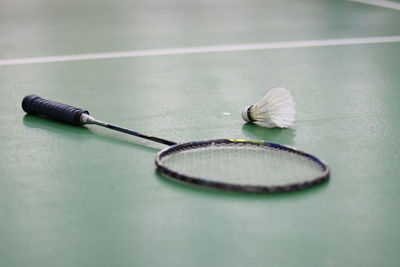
(225, 164)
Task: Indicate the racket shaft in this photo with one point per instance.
(148, 137)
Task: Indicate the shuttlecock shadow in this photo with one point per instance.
(284, 136)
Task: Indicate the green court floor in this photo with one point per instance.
(87, 196)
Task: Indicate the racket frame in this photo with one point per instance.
(202, 182)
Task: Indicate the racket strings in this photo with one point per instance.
(243, 164)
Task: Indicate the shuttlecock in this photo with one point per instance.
(275, 109)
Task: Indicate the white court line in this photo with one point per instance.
(380, 3)
(202, 49)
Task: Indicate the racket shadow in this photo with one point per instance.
(209, 192)
(85, 133)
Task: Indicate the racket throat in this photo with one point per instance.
(87, 119)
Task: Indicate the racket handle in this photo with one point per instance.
(33, 104)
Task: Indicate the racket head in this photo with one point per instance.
(242, 166)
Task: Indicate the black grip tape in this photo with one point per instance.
(33, 104)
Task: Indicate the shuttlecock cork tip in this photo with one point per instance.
(246, 114)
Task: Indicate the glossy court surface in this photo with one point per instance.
(87, 196)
